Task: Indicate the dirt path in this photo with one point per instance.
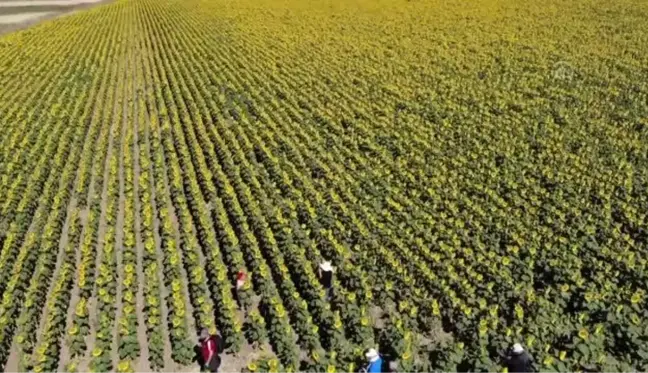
(18, 3)
(8, 19)
(62, 9)
(13, 360)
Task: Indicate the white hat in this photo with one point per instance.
(517, 348)
(326, 266)
(372, 354)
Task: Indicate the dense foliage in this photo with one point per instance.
(476, 171)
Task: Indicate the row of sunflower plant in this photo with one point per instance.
(19, 290)
(46, 354)
(151, 258)
(35, 299)
(127, 322)
(277, 311)
(107, 277)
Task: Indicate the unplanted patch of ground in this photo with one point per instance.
(7, 19)
(20, 14)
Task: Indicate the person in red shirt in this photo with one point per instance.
(241, 277)
(210, 348)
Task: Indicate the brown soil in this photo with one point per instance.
(12, 361)
(56, 11)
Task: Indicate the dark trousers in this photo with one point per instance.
(214, 364)
(329, 293)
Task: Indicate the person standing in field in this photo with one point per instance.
(374, 361)
(211, 346)
(518, 360)
(326, 278)
(241, 277)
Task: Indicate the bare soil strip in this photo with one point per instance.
(8, 19)
(12, 361)
(55, 8)
(23, 3)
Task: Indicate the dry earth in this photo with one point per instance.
(19, 14)
(7, 19)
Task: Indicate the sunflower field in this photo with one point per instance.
(476, 172)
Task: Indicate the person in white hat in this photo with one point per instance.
(518, 360)
(326, 278)
(374, 360)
